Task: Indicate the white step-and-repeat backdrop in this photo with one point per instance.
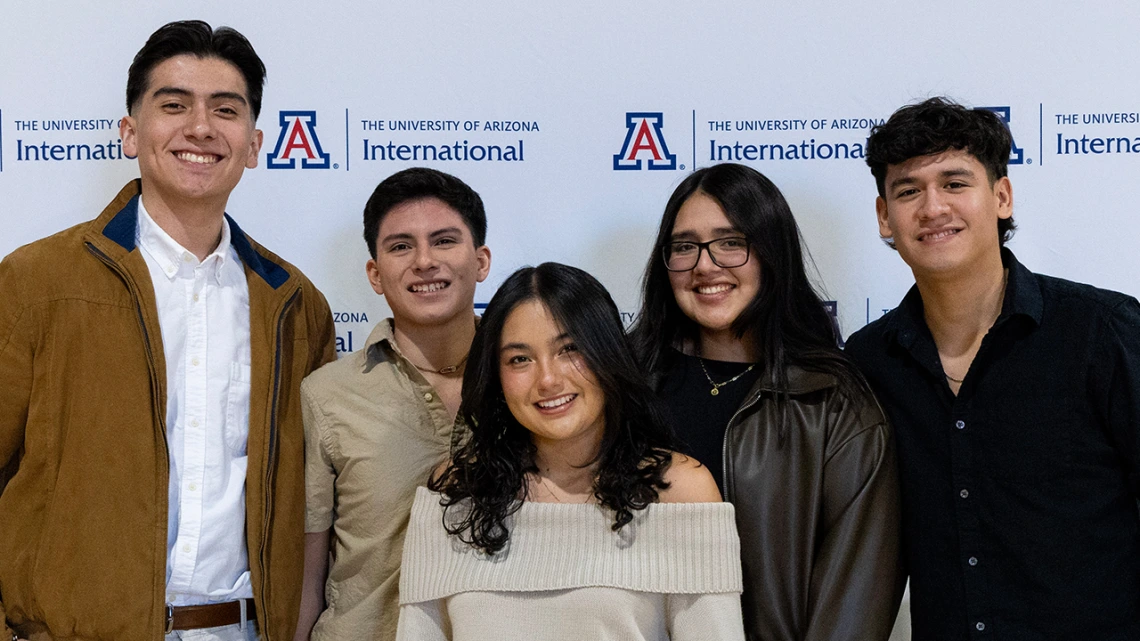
(533, 104)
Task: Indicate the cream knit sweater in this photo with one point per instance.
(673, 573)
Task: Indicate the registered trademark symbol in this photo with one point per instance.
(336, 165)
(1029, 161)
(682, 166)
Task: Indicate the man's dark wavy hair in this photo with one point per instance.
(416, 183)
(936, 125)
(485, 482)
(197, 38)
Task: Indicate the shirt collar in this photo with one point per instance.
(173, 257)
(1022, 298)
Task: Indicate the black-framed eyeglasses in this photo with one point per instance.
(683, 255)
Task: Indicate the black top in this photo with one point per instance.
(700, 419)
(1019, 495)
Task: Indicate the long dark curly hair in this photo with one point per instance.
(485, 481)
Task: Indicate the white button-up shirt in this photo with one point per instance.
(203, 312)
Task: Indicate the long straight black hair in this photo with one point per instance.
(787, 320)
(490, 467)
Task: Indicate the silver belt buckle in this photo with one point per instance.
(169, 618)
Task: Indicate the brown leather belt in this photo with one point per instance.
(214, 615)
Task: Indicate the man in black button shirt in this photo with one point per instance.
(1015, 399)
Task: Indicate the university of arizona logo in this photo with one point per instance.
(1016, 154)
(298, 139)
(644, 146)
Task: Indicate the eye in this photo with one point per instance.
(446, 241)
(684, 248)
(398, 247)
(517, 359)
(569, 348)
(956, 185)
(906, 192)
(733, 243)
(172, 106)
(227, 111)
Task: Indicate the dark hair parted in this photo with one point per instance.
(787, 320)
(196, 38)
(936, 125)
(485, 481)
(420, 182)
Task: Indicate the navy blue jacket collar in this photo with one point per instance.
(122, 227)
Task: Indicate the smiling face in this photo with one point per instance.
(427, 265)
(193, 132)
(941, 212)
(547, 384)
(711, 296)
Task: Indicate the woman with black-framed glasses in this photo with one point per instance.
(744, 353)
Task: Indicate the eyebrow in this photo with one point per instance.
(948, 173)
(720, 232)
(446, 231)
(523, 346)
(435, 234)
(217, 95)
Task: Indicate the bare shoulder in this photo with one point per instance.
(689, 482)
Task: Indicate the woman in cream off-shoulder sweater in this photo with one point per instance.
(565, 513)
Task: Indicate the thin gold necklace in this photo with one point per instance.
(550, 490)
(716, 386)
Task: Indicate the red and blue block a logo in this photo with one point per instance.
(298, 139)
(644, 146)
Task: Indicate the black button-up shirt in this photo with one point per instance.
(1020, 518)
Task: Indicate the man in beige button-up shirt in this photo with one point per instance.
(378, 421)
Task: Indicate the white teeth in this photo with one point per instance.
(942, 234)
(195, 158)
(428, 287)
(714, 289)
(556, 402)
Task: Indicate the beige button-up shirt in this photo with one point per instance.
(374, 431)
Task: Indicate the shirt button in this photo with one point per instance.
(195, 298)
(193, 487)
(194, 362)
(194, 423)
(980, 626)
(960, 425)
(187, 257)
(972, 560)
(964, 494)
(186, 548)
(427, 396)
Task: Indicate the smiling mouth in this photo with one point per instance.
(714, 289)
(556, 402)
(427, 288)
(939, 235)
(198, 159)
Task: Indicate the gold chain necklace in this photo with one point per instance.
(450, 369)
(716, 386)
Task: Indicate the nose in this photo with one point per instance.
(934, 204)
(424, 258)
(549, 377)
(705, 262)
(198, 123)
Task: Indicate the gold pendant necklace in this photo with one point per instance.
(716, 386)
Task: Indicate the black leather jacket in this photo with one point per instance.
(817, 507)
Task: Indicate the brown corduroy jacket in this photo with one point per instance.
(83, 514)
